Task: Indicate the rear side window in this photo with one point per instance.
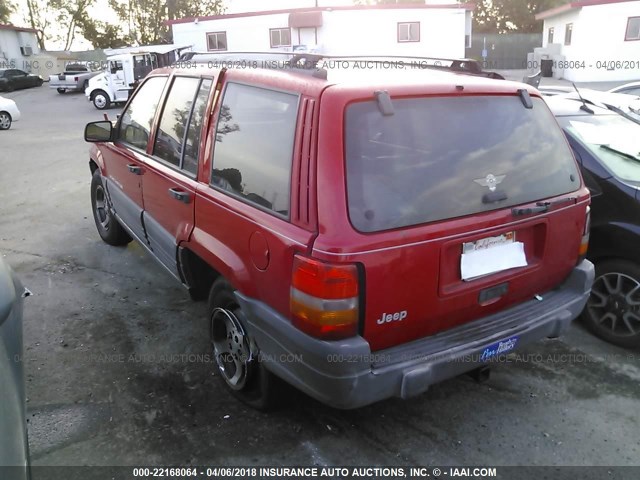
(136, 121)
(254, 146)
(444, 157)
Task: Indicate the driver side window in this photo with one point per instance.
(136, 120)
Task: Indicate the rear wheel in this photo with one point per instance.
(101, 100)
(39, 83)
(5, 121)
(108, 227)
(85, 85)
(613, 309)
(235, 353)
(61, 90)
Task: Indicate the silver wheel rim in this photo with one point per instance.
(5, 121)
(102, 207)
(230, 348)
(100, 100)
(614, 304)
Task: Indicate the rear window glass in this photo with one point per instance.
(445, 157)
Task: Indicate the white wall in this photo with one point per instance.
(10, 43)
(598, 39)
(244, 34)
(442, 32)
(559, 23)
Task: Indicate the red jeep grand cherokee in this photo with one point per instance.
(360, 233)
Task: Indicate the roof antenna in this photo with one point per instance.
(584, 106)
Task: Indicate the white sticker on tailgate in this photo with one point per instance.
(491, 255)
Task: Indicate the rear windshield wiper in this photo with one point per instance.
(620, 152)
(541, 207)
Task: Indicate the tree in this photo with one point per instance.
(6, 9)
(102, 34)
(60, 16)
(145, 20)
(502, 16)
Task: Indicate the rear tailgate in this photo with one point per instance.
(459, 206)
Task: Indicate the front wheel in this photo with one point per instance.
(108, 227)
(236, 354)
(613, 309)
(101, 100)
(5, 121)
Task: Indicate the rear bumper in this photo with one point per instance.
(67, 85)
(346, 374)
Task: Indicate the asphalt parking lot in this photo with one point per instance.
(115, 355)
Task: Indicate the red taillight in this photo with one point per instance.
(584, 243)
(324, 298)
(75, 79)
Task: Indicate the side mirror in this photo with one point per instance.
(98, 132)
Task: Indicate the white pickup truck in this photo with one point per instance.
(75, 78)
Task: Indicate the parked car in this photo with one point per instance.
(14, 451)
(625, 105)
(632, 88)
(75, 78)
(359, 233)
(8, 113)
(13, 79)
(607, 147)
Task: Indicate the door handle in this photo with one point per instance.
(135, 169)
(179, 195)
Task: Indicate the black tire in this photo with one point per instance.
(5, 121)
(61, 90)
(108, 226)
(9, 88)
(100, 100)
(40, 82)
(613, 310)
(260, 389)
(85, 85)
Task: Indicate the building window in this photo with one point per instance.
(568, 30)
(633, 29)
(280, 37)
(216, 41)
(409, 32)
(550, 35)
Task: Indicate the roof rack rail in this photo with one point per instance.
(309, 61)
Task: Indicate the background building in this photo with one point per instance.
(595, 40)
(18, 45)
(440, 30)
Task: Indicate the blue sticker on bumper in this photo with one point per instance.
(501, 348)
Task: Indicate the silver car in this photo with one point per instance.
(13, 429)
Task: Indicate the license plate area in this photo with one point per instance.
(491, 255)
